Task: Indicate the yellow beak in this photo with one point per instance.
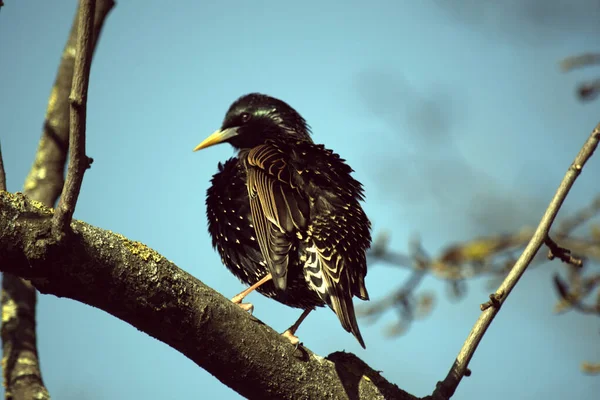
(219, 136)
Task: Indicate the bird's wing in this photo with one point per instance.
(278, 208)
(327, 272)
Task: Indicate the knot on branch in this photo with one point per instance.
(562, 253)
(494, 301)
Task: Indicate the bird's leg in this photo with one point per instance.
(238, 298)
(290, 334)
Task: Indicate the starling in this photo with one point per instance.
(284, 214)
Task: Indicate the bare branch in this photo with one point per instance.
(403, 299)
(491, 256)
(446, 389)
(22, 377)
(21, 373)
(141, 287)
(582, 60)
(45, 180)
(78, 161)
(562, 253)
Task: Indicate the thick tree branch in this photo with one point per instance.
(22, 377)
(78, 161)
(141, 287)
(21, 372)
(446, 389)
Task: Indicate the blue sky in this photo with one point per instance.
(454, 115)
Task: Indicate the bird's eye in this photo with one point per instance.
(245, 117)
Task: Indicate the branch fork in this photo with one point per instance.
(78, 161)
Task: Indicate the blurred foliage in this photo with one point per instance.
(588, 90)
(493, 256)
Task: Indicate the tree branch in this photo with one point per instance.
(582, 60)
(446, 389)
(45, 180)
(403, 299)
(143, 288)
(493, 256)
(78, 161)
(562, 253)
(21, 372)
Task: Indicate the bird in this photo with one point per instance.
(284, 213)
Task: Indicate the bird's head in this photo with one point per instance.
(255, 118)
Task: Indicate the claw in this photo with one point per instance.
(246, 307)
(290, 334)
(291, 337)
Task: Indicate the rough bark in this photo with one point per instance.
(136, 284)
(22, 377)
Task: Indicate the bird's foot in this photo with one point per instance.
(244, 306)
(289, 335)
(247, 307)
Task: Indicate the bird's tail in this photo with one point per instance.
(325, 274)
(344, 309)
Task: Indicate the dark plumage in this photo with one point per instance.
(288, 207)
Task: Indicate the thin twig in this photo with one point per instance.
(446, 389)
(2, 172)
(401, 299)
(562, 253)
(493, 256)
(78, 161)
(582, 60)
